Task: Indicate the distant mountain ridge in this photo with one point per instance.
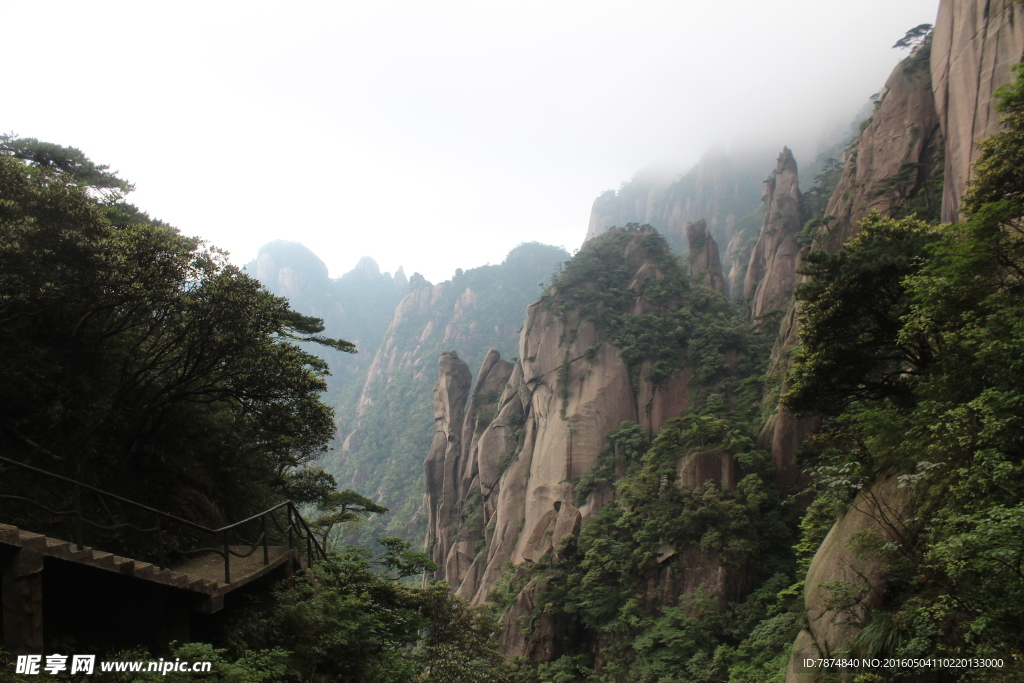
(356, 307)
(382, 394)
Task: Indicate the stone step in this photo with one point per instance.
(145, 570)
(67, 551)
(124, 565)
(196, 575)
(104, 560)
(55, 545)
(27, 539)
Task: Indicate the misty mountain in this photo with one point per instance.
(666, 486)
(478, 309)
(356, 307)
(381, 395)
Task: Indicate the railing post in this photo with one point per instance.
(227, 559)
(160, 542)
(266, 549)
(291, 543)
(78, 518)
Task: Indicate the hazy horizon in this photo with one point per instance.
(435, 136)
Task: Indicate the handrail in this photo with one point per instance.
(293, 515)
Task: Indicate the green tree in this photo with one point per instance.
(851, 311)
(69, 160)
(914, 37)
(131, 353)
(950, 428)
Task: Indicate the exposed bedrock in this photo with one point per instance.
(771, 273)
(705, 265)
(974, 44)
(500, 485)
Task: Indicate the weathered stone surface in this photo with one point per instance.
(512, 640)
(721, 189)
(442, 464)
(684, 571)
(553, 411)
(770, 275)
(901, 142)
(705, 265)
(803, 647)
(457, 508)
(736, 260)
(509, 508)
(974, 44)
(880, 510)
(657, 405)
(480, 413)
(575, 402)
(713, 465)
(893, 158)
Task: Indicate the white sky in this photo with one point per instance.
(429, 134)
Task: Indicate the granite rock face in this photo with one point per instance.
(500, 488)
(894, 165)
(705, 265)
(771, 273)
(441, 469)
(477, 310)
(974, 44)
(879, 511)
(517, 450)
(927, 122)
(723, 189)
(570, 387)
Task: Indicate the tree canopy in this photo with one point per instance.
(914, 36)
(851, 310)
(131, 352)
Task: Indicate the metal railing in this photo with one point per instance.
(281, 525)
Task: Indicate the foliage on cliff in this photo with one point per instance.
(946, 416)
(603, 591)
(610, 605)
(851, 314)
(680, 323)
(396, 428)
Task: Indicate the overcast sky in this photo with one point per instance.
(433, 135)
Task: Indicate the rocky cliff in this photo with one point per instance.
(879, 512)
(705, 264)
(479, 309)
(723, 189)
(357, 307)
(974, 44)
(506, 479)
(771, 273)
(502, 488)
(895, 166)
(936, 105)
